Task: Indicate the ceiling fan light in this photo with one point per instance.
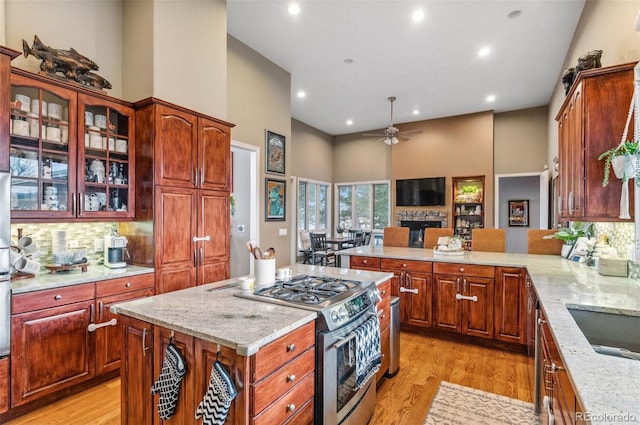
(388, 141)
(394, 140)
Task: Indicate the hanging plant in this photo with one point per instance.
(624, 148)
(232, 204)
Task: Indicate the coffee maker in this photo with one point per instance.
(114, 248)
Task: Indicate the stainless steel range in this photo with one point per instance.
(343, 306)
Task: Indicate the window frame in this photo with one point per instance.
(329, 198)
(370, 183)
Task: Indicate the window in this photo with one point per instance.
(313, 205)
(363, 205)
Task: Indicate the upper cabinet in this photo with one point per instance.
(70, 152)
(590, 122)
(468, 205)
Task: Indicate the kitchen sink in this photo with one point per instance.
(608, 333)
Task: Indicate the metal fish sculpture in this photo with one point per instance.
(70, 63)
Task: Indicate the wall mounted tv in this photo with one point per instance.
(423, 192)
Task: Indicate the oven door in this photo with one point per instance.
(336, 400)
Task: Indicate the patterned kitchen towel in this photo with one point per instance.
(368, 354)
(214, 407)
(174, 368)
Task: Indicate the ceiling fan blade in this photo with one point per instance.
(402, 136)
(373, 134)
(411, 132)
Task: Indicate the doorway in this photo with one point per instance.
(244, 222)
(530, 187)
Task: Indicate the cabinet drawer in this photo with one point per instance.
(356, 262)
(287, 405)
(282, 380)
(282, 350)
(124, 284)
(46, 298)
(413, 265)
(304, 416)
(385, 304)
(464, 269)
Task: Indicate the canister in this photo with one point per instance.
(54, 110)
(35, 107)
(88, 118)
(23, 103)
(20, 127)
(121, 145)
(95, 139)
(100, 121)
(34, 124)
(53, 134)
(64, 131)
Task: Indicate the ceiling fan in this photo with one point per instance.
(392, 135)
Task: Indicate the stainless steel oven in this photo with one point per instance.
(345, 307)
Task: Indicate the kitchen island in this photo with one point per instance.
(253, 340)
(606, 386)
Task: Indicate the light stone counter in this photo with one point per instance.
(211, 312)
(94, 273)
(607, 386)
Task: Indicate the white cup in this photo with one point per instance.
(25, 265)
(265, 271)
(27, 244)
(245, 283)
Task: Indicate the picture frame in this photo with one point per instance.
(519, 213)
(275, 153)
(275, 199)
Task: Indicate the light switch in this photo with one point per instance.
(283, 232)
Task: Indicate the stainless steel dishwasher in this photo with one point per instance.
(394, 338)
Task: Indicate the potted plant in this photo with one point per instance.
(340, 230)
(570, 234)
(617, 156)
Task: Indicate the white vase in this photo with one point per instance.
(623, 167)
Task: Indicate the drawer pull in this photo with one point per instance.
(92, 326)
(291, 407)
(57, 297)
(404, 264)
(128, 284)
(403, 289)
(461, 269)
(364, 262)
(291, 378)
(465, 297)
(291, 347)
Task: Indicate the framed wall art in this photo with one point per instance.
(275, 194)
(519, 213)
(275, 153)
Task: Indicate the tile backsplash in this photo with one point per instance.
(621, 235)
(79, 235)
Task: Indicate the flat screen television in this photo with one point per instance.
(424, 192)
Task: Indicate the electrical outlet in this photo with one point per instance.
(282, 232)
(98, 245)
(73, 244)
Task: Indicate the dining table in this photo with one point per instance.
(338, 243)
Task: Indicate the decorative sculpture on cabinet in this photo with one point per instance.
(70, 63)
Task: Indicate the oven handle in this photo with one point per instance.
(352, 335)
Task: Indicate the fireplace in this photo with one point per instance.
(416, 231)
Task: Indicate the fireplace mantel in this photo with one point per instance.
(422, 215)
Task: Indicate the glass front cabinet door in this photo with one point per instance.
(42, 157)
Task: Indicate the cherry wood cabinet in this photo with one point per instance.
(183, 188)
(468, 205)
(63, 167)
(591, 121)
(6, 56)
(4, 384)
(463, 299)
(384, 309)
(136, 372)
(412, 283)
(510, 305)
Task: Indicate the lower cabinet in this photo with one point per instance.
(412, 283)
(510, 305)
(64, 336)
(463, 299)
(275, 385)
(384, 309)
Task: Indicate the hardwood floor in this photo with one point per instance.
(403, 399)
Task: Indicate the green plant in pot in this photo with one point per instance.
(624, 148)
(570, 234)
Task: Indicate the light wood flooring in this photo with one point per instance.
(403, 399)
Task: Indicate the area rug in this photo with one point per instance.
(457, 405)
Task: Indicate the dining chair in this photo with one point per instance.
(489, 240)
(304, 246)
(357, 238)
(536, 244)
(320, 251)
(395, 236)
(431, 235)
(367, 238)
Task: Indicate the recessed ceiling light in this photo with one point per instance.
(514, 14)
(416, 112)
(302, 94)
(491, 98)
(349, 122)
(417, 15)
(484, 51)
(294, 9)
(348, 61)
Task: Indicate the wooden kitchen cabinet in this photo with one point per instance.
(591, 121)
(532, 302)
(510, 305)
(384, 307)
(364, 263)
(467, 205)
(412, 283)
(136, 373)
(463, 299)
(54, 162)
(6, 56)
(51, 348)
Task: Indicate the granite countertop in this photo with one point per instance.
(213, 313)
(94, 273)
(607, 386)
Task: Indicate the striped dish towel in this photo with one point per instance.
(368, 355)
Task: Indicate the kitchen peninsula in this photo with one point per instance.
(269, 349)
(605, 386)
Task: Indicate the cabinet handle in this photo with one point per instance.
(92, 313)
(291, 407)
(144, 339)
(291, 378)
(128, 284)
(80, 203)
(461, 269)
(57, 297)
(93, 326)
(384, 291)
(201, 177)
(464, 284)
(291, 347)
(540, 321)
(404, 265)
(195, 257)
(457, 284)
(203, 238)
(74, 203)
(100, 309)
(364, 262)
(464, 297)
(570, 202)
(560, 210)
(201, 256)
(414, 290)
(195, 176)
